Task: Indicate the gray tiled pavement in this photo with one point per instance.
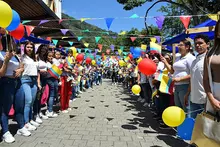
(106, 116)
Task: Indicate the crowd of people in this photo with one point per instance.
(194, 78)
(24, 78)
(27, 78)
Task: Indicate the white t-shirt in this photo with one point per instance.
(57, 61)
(182, 67)
(12, 65)
(143, 78)
(30, 66)
(198, 95)
(42, 65)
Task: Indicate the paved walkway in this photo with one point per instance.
(104, 116)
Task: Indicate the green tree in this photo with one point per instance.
(189, 7)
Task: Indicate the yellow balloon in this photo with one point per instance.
(93, 62)
(136, 89)
(74, 50)
(5, 14)
(173, 116)
(127, 59)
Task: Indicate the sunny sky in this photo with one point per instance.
(108, 9)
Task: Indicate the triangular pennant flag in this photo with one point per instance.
(29, 29)
(26, 21)
(185, 20)
(116, 53)
(100, 47)
(112, 47)
(79, 38)
(90, 51)
(122, 48)
(152, 39)
(86, 44)
(70, 42)
(64, 31)
(119, 52)
(134, 16)
(133, 38)
(143, 46)
(55, 42)
(158, 38)
(48, 38)
(159, 21)
(78, 50)
(97, 39)
(43, 21)
(86, 49)
(109, 22)
(122, 33)
(96, 50)
(84, 19)
(213, 16)
(60, 21)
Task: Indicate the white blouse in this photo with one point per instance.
(182, 67)
(30, 66)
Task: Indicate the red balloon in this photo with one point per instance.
(147, 67)
(130, 56)
(19, 32)
(79, 57)
(88, 60)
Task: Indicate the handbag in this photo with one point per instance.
(198, 137)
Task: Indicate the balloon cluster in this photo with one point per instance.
(10, 20)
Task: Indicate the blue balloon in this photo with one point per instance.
(137, 51)
(185, 130)
(15, 21)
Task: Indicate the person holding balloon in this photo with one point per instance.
(11, 92)
(181, 72)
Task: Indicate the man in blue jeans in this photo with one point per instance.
(196, 90)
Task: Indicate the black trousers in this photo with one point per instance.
(114, 77)
(146, 92)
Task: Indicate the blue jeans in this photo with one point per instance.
(180, 92)
(29, 84)
(11, 93)
(194, 107)
(53, 92)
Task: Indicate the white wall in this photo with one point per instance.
(58, 6)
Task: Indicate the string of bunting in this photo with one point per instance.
(159, 19)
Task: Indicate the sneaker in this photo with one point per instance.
(43, 116)
(80, 92)
(164, 126)
(65, 111)
(30, 127)
(38, 120)
(84, 88)
(51, 115)
(34, 123)
(70, 101)
(69, 109)
(24, 132)
(8, 138)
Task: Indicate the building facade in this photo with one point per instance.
(55, 6)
